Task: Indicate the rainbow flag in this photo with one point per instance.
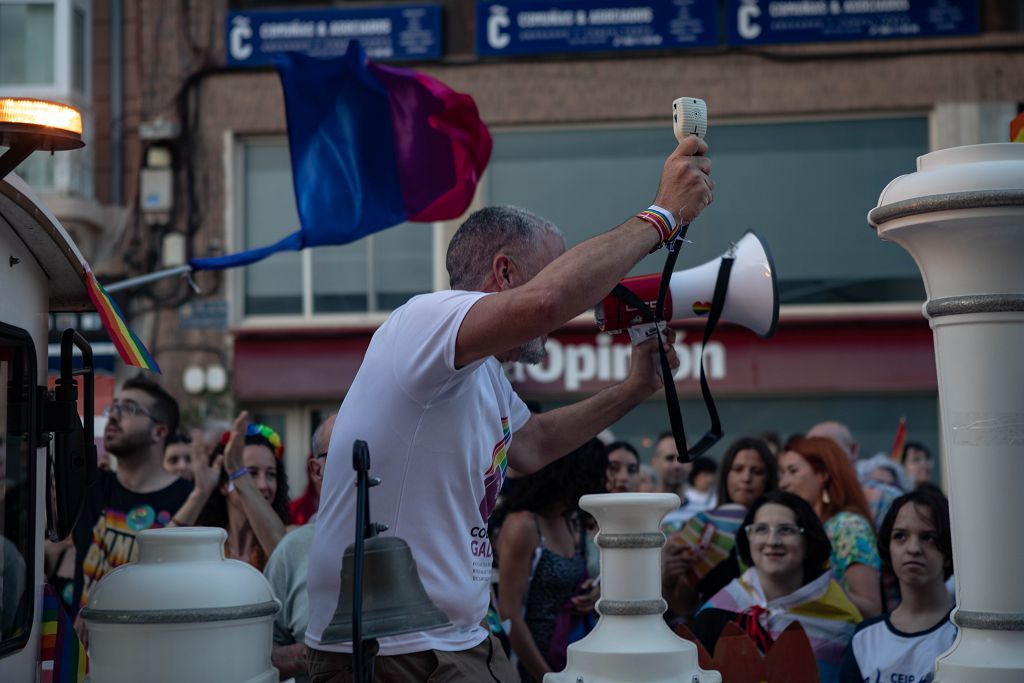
(900, 440)
(133, 351)
(62, 657)
(1017, 128)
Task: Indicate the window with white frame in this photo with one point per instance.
(375, 274)
(45, 52)
(27, 44)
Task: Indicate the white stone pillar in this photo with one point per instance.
(631, 642)
(961, 216)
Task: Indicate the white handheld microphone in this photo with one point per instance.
(689, 117)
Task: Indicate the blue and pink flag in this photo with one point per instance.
(371, 146)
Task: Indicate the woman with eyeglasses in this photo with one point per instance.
(817, 470)
(251, 500)
(700, 559)
(785, 546)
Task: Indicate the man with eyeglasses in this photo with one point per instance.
(140, 495)
(287, 569)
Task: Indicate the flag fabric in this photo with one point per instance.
(900, 440)
(62, 657)
(820, 606)
(130, 348)
(1017, 128)
(371, 146)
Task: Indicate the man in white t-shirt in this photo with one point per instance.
(442, 422)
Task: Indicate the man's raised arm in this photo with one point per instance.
(524, 308)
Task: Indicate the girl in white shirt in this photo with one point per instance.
(914, 542)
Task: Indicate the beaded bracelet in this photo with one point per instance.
(236, 475)
(663, 221)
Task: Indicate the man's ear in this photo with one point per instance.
(160, 433)
(316, 468)
(502, 268)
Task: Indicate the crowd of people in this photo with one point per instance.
(769, 535)
(485, 491)
(785, 534)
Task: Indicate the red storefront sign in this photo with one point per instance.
(806, 356)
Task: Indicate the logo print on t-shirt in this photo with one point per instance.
(495, 475)
(113, 543)
(140, 518)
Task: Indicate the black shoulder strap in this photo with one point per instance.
(675, 414)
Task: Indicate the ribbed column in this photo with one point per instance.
(631, 642)
(961, 216)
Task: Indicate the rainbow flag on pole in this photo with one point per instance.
(62, 657)
(1017, 128)
(900, 440)
(131, 349)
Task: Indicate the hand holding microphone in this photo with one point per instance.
(686, 187)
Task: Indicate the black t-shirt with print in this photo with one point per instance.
(111, 518)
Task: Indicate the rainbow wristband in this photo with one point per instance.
(236, 475)
(663, 221)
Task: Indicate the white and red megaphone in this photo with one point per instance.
(752, 297)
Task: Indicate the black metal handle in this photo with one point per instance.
(363, 653)
(68, 339)
(72, 468)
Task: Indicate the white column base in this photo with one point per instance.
(631, 649)
(977, 655)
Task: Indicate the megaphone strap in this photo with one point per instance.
(675, 414)
(715, 431)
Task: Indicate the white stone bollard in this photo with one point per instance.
(961, 216)
(631, 643)
(181, 613)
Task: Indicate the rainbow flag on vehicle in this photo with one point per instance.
(62, 657)
(128, 345)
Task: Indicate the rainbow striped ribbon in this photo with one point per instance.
(131, 349)
(62, 657)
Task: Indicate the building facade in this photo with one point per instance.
(804, 136)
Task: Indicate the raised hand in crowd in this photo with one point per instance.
(206, 475)
(256, 501)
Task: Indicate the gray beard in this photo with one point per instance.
(533, 352)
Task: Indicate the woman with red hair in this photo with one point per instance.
(817, 470)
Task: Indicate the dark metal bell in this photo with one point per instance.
(394, 600)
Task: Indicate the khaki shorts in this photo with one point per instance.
(485, 663)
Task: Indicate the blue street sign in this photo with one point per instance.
(800, 21)
(529, 27)
(394, 32)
